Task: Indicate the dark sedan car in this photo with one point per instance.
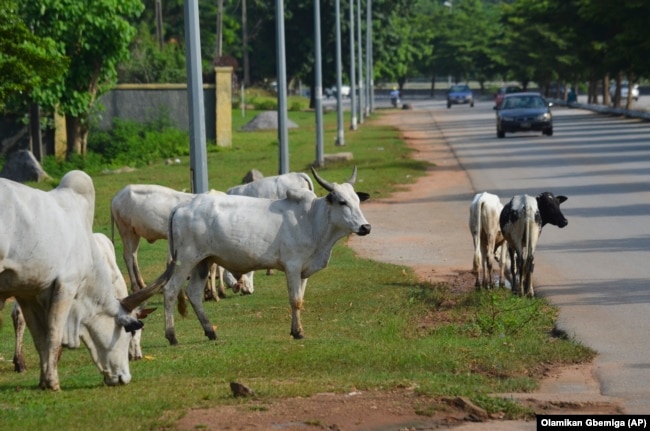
(460, 94)
(524, 112)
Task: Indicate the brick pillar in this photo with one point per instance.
(223, 110)
(60, 136)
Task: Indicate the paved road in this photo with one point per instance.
(597, 269)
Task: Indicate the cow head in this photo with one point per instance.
(549, 209)
(344, 200)
(108, 334)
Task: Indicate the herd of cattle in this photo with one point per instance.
(69, 289)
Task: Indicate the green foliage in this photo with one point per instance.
(95, 35)
(136, 145)
(150, 64)
(28, 63)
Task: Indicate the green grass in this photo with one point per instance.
(363, 320)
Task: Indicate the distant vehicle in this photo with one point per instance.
(498, 96)
(460, 94)
(624, 90)
(331, 91)
(524, 112)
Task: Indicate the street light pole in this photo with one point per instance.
(283, 134)
(340, 140)
(353, 87)
(318, 87)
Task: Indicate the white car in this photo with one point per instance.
(331, 91)
(624, 90)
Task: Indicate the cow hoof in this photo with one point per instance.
(297, 336)
(172, 339)
(211, 335)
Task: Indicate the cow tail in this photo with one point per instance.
(181, 303)
(310, 184)
(477, 240)
(112, 228)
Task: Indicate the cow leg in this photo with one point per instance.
(521, 273)
(210, 290)
(528, 283)
(170, 295)
(221, 292)
(194, 293)
(296, 286)
(36, 318)
(19, 333)
(131, 243)
(511, 254)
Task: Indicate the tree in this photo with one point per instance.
(27, 62)
(95, 36)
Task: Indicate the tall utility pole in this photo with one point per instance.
(370, 80)
(361, 89)
(244, 37)
(198, 152)
(353, 87)
(283, 134)
(159, 24)
(219, 49)
(340, 139)
(318, 87)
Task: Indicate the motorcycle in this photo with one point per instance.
(394, 99)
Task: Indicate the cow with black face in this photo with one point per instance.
(521, 223)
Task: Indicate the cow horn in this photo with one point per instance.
(132, 301)
(353, 178)
(325, 184)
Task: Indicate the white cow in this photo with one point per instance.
(119, 287)
(274, 187)
(484, 214)
(521, 222)
(142, 211)
(51, 264)
(295, 235)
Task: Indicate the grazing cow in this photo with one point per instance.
(484, 214)
(119, 286)
(142, 211)
(51, 264)
(273, 187)
(521, 221)
(295, 235)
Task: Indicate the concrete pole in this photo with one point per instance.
(340, 139)
(359, 44)
(318, 87)
(353, 78)
(283, 133)
(198, 152)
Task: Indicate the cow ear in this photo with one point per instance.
(141, 314)
(363, 196)
(561, 198)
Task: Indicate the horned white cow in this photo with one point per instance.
(119, 287)
(484, 214)
(51, 264)
(274, 187)
(521, 221)
(142, 211)
(295, 235)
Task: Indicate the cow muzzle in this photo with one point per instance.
(363, 230)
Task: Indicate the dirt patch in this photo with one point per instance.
(423, 227)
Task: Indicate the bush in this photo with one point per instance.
(135, 144)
